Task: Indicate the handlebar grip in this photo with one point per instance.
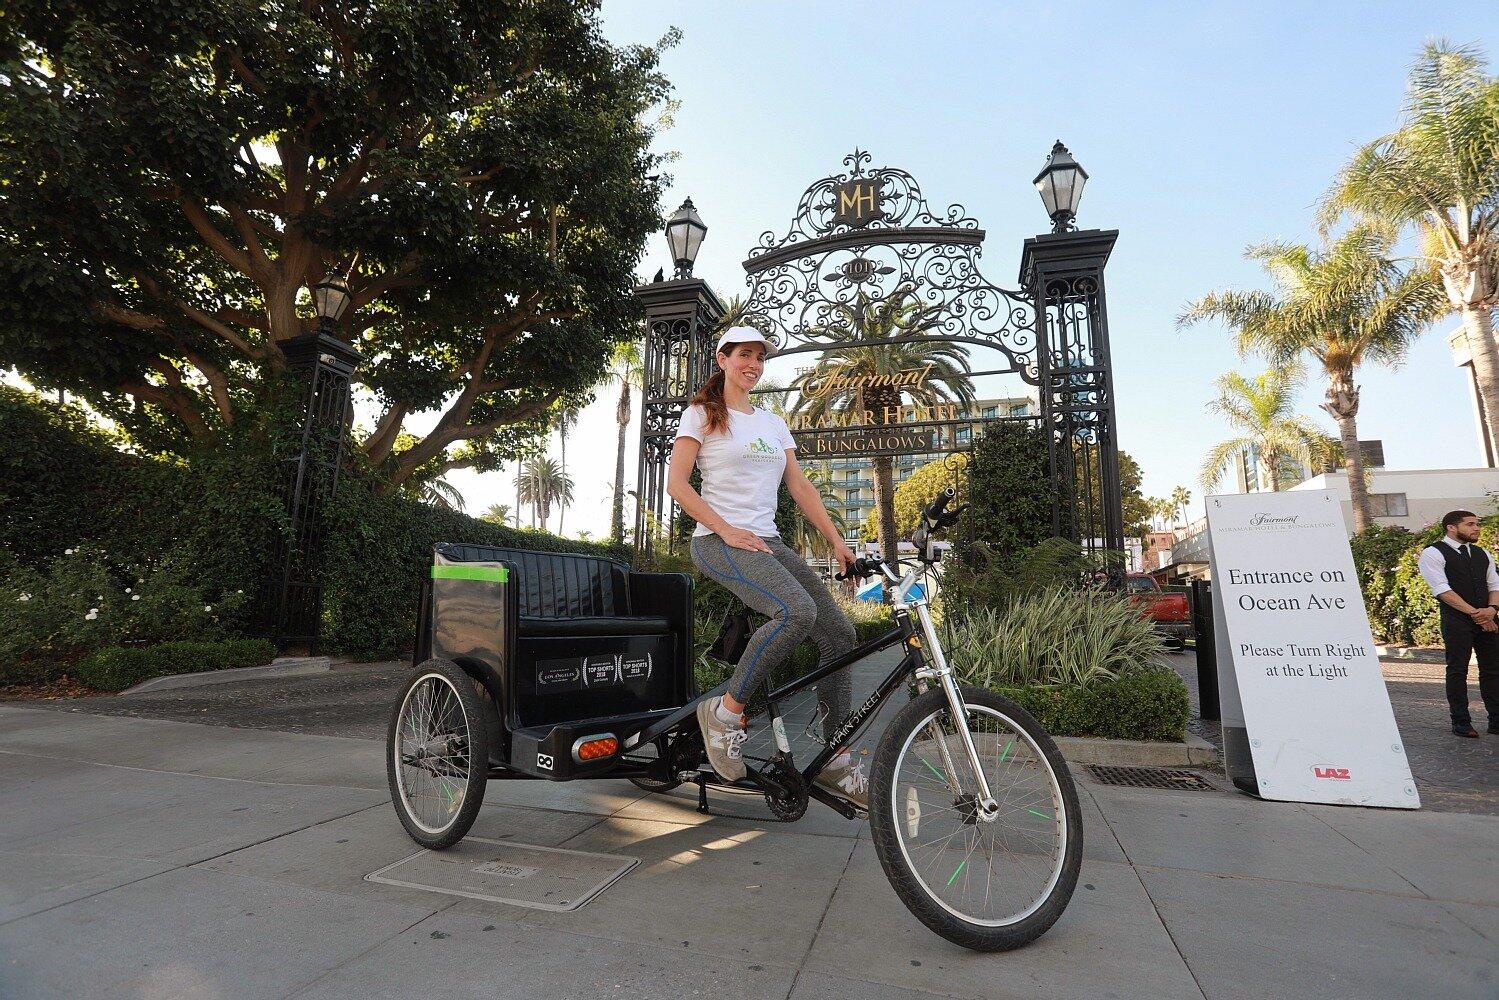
(858, 569)
(938, 505)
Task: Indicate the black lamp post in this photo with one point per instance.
(330, 297)
(319, 367)
(1061, 185)
(684, 235)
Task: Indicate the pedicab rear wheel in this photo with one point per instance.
(437, 754)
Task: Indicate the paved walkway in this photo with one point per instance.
(151, 858)
(1453, 774)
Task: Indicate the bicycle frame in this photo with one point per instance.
(913, 664)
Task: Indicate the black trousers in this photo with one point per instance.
(1462, 639)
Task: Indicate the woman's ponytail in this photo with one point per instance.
(710, 398)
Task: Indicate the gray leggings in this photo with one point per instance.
(800, 606)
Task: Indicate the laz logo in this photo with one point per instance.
(544, 761)
(1336, 773)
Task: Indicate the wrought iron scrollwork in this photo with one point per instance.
(869, 239)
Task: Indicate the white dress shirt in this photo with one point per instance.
(1434, 568)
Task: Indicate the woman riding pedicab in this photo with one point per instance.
(744, 453)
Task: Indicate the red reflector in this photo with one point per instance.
(594, 749)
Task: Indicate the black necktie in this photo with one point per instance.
(1467, 553)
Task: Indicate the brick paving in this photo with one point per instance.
(1452, 773)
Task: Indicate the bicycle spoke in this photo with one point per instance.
(995, 871)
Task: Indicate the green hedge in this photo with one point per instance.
(116, 668)
(212, 521)
(380, 550)
(1146, 704)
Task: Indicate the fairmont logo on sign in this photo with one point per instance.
(1262, 519)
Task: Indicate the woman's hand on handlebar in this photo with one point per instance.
(845, 557)
(739, 538)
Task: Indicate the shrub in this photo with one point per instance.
(1143, 704)
(1009, 489)
(115, 668)
(1059, 636)
(85, 599)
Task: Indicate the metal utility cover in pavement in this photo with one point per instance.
(1148, 777)
(544, 878)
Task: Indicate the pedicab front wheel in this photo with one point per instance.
(986, 881)
(437, 754)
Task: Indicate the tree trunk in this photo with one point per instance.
(517, 494)
(1478, 323)
(884, 506)
(561, 501)
(617, 513)
(1342, 406)
(1274, 462)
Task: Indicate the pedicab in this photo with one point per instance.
(547, 666)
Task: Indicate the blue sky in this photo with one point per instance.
(1204, 128)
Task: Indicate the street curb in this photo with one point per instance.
(285, 666)
(1195, 752)
(1410, 654)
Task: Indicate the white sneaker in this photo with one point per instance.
(848, 782)
(724, 741)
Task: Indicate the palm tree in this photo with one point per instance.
(1260, 412)
(542, 484)
(567, 419)
(1438, 172)
(498, 513)
(863, 330)
(1180, 499)
(626, 369)
(806, 538)
(1343, 305)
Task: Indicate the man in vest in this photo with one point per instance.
(1466, 585)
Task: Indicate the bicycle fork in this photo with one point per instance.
(987, 807)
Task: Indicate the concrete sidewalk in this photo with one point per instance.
(146, 858)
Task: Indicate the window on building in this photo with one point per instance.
(990, 411)
(963, 435)
(1020, 410)
(1388, 505)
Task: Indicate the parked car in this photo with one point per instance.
(1170, 610)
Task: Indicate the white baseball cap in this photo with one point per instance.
(744, 335)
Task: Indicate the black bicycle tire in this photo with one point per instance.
(885, 835)
(478, 741)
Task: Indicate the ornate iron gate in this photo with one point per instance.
(865, 242)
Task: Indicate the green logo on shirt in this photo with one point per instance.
(759, 447)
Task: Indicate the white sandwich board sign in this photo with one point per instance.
(1306, 715)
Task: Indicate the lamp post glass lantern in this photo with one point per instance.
(1060, 183)
(330, 297)
(684, 235)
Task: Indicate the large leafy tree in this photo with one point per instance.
(1344, 305)
(174, 176)
(1261, 413)
(1438, 173)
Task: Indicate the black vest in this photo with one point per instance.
(1467, 576)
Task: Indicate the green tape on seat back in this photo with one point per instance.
(493, 574)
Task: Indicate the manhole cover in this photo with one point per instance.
(544, 878)
(1148, 777)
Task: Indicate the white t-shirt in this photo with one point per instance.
(741, 469)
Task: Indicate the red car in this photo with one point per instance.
(1170, 610)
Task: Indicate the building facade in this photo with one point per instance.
(852, 479)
